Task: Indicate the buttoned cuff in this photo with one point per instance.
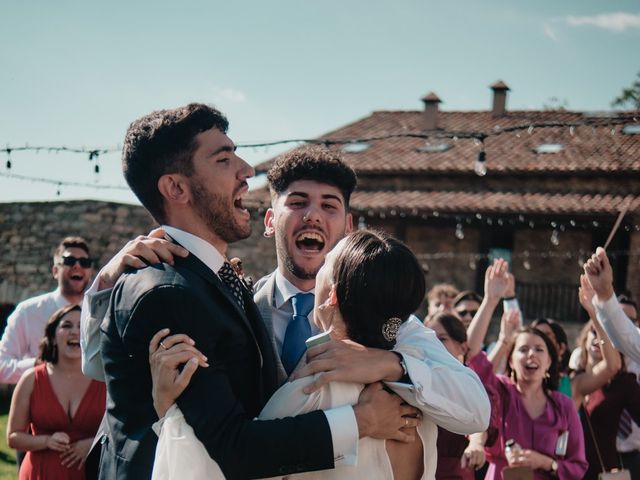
(344, 434)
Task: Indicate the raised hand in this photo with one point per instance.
(138, 253)
(496, 280)
(509, 325)
(600, 274)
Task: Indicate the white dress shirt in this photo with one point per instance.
(20, 342)
(622, 332)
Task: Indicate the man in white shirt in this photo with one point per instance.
(72, 268)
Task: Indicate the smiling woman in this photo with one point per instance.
(56, 397)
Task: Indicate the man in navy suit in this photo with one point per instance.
(184, 169)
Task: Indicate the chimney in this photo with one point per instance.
(499, 98)
(431, 102)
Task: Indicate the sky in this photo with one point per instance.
(76, 74)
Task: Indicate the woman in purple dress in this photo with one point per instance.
(541, 420)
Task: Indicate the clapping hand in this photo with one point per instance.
(76, 454)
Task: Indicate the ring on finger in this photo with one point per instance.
(163, 346)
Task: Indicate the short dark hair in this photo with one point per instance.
(164, 142)
(48, 347)
(551, 382)
(376, 277)
(69, 242)
(451, 324)
(315, 163)
(467, 295)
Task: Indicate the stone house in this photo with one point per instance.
(539, 188)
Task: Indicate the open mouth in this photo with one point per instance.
(237, 201)
(77, 276)
(531, 366)
(73, 344)
(310, 241)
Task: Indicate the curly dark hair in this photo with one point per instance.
(552, 381)
(48, 347)
(376, 277)
(164, 142)
(316, 163)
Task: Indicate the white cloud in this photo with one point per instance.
(548, 32)
(616, 22)
(221, 94)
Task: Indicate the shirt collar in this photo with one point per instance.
(203, 250)
(285, 290)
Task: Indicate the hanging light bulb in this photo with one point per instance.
(554, 238)
(472, 263)
(526, 264)
(480, 167)
(459, 232)
(361, 223)
(572, 130)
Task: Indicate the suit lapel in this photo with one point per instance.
(264, 298)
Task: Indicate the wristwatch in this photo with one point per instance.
(554, 466)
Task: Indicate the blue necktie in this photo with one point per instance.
(297, 331)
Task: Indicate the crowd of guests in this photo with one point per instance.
(569, 414)
(371, 402)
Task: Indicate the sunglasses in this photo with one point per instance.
(462, 313)
(70, 261)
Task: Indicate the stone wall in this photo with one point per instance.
(29, 233)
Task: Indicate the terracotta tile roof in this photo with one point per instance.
(586, 149)
(415, 203)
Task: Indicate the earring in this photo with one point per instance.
(267, 232)
(547, 375)
(390, 328)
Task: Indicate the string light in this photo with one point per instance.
(459, 232)
(479, 136)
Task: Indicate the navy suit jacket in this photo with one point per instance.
(221, 400)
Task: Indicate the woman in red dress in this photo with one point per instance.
(56, 410)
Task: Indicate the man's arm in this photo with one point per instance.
(15, 357)
(440, 386)
(619, 328)
(137, 253)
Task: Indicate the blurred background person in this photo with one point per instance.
(55, 410)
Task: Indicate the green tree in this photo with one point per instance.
(630, 97)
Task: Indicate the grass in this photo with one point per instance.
(8, 469)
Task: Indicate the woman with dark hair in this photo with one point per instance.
(530, 413)
(56, 410)
(540, 420)
(558, 337)
(458, 455)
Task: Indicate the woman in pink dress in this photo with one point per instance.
(56, 410)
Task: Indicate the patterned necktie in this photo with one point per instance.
(298, 330)
(233, 283)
